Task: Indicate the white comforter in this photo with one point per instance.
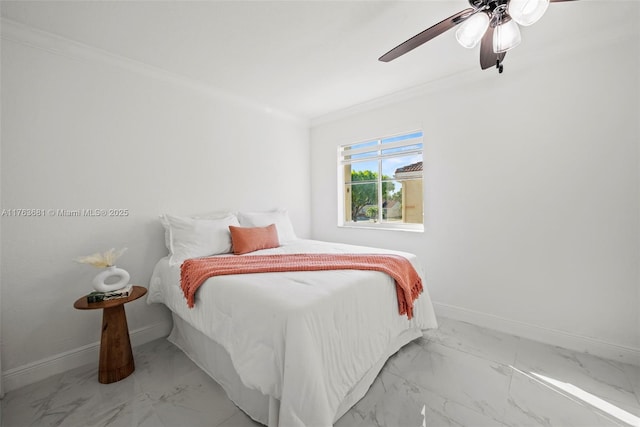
(305, 338)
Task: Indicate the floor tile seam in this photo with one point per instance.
(228, 418)
(625, 373)
(122, 405)
(500, 366)
(152, 410)
(488, 359)
(393, 374)
(423, 340)
(594, 411)
(469, 408)
(515, 364)
(516, 351)
(150, 387)
(609, 417)
(449, 399)
(446, 398)
(500, 418)
(524, 367)
(631, 391)
(481, 331)
(118, 409)
(485, 359)
(631, 374)
(577, 401)
(419, 348)
(512, 403)
(623, 404)
(613, 364)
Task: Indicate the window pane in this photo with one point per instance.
(361, 202)
(361, 171)
(382, 181)
(402, 137)
(404, 148)
(402, 201)
(361, 149)
(363, 145)
(391, 201)
(367, 155)
(402, 167)
(413, 203)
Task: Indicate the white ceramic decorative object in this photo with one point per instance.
(99, 281)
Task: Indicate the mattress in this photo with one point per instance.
(304, 340)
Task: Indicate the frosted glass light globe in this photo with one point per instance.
(472, 30)
(527, 12)
(506, 36)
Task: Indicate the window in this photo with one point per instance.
(381, 183)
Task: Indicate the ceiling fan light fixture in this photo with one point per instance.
(502, 34)
(527, 12)
(506, 36)
(471, 31)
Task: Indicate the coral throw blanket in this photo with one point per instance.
(194, 272)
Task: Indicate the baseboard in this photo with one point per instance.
(39, 370)
(44, 368)
(554, 337)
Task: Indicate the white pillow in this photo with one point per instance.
(208, 215)
(279, 217)
(213, 215)
(193, 237)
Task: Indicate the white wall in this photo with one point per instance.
(83, 129)
(531, 193)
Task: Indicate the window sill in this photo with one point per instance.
(413, 228)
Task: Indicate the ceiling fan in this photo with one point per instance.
(492, 23)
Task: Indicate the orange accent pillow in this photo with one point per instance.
(249, 239)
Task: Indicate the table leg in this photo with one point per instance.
(116, 357)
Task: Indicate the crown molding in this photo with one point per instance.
(438, 85)
(555, 52)
(26, 35)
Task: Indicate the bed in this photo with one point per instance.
(294, 348)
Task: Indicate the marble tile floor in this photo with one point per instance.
(457, 375)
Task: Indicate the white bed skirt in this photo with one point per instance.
(212, 358)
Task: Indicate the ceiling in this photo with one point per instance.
(306, 58)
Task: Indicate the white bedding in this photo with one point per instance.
(303, 338)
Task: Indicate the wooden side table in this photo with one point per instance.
(116, 357)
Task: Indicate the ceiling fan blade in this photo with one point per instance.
(488, 58)
(427, 35)
(558, 1)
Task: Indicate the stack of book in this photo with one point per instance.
(106, 296)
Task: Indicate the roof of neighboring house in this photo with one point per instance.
(414, 167)
(390, 204)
